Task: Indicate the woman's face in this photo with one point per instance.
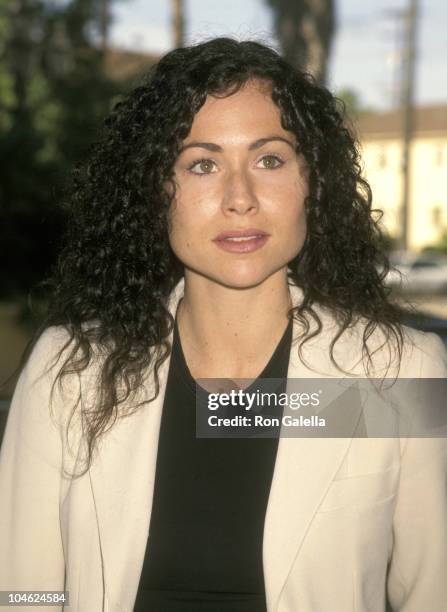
(238, 170)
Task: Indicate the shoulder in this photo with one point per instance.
(410, 354)
(52, 348)
(423, 355)
(50, 342)
(46, 352)
(39, 406)
(38, 376)
(432, 354)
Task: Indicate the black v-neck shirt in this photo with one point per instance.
(204, 551)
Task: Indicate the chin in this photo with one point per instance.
(239, 283)
(241, 280)
(237, 275)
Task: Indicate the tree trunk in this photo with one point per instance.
(305, 30)
(178, 23)
(19, 54)
(104, 24)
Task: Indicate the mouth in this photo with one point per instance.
(244, 238)
(242, 244)
(241, 235)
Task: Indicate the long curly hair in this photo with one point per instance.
(111, 284)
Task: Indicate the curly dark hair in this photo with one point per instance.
(117, 269)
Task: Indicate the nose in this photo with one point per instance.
(239, 196)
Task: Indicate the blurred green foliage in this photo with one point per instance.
(53, 96)
(353, 102)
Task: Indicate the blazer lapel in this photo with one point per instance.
(305, 466)
(123, 477)
(304, 470)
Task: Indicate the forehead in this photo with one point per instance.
(249, 110)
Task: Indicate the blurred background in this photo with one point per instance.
(65, 63)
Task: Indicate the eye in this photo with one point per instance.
(202, 166)
(271, 162)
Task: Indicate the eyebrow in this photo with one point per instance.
(211, 146)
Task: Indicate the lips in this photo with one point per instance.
(240, 235)
(241, 242)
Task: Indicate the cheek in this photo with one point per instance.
(179, 236)
(293, 218)
(291, 202)
(188, 218)
(195, 204)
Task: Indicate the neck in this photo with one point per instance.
(233, 331)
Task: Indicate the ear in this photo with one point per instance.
(169, 187)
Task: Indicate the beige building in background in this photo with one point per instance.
(380, 137)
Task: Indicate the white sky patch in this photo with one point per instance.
(141, 37)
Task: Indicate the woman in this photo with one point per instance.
(220, 229)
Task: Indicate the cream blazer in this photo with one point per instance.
(348, 520)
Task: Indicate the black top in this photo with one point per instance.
(205, 541)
